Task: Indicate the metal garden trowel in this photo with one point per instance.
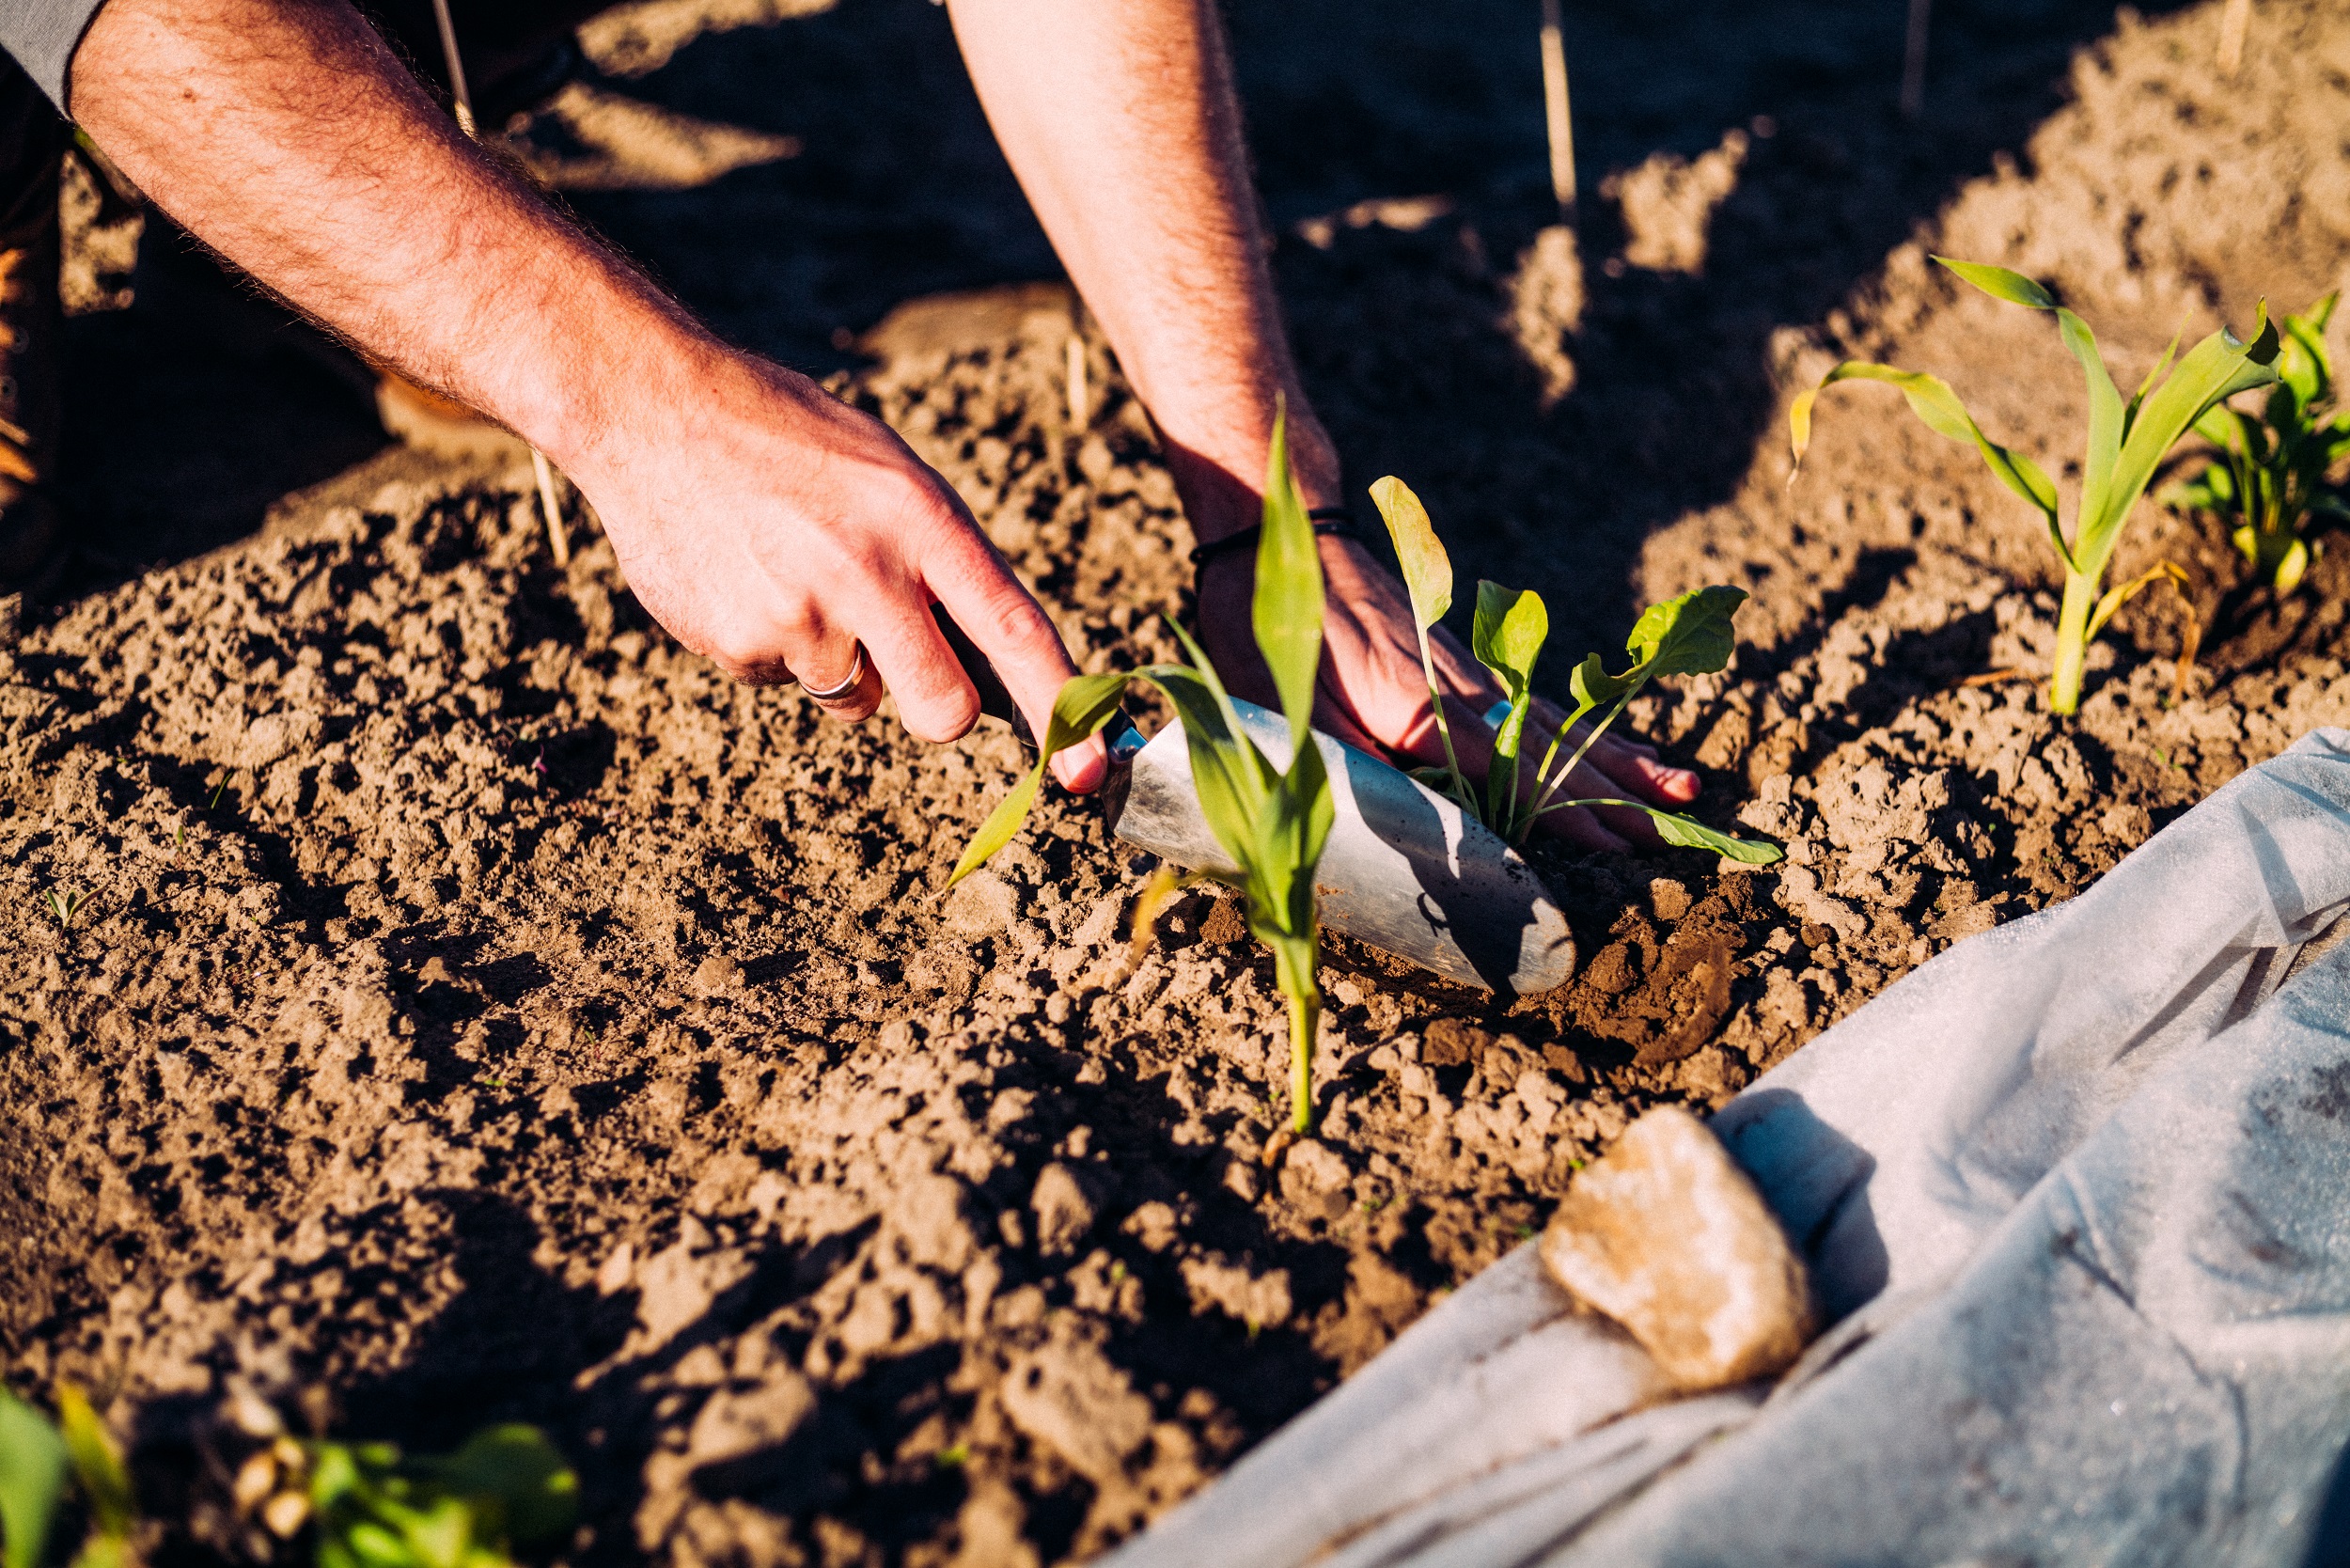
(1405, 870)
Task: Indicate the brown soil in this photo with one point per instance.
(476, 1008)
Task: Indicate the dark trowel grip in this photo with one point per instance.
(994, 698)
(995, 701)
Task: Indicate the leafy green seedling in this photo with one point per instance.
(2269, 480)
(2126, 444)
(40, 1459)
(1273, 823)
(369, 1507)
(1688, 636)
(64, 905)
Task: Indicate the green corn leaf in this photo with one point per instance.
(2138, 399)
(2291, 566)
(1690, 635)
(2000, 284)
(1228, 774)
(1427, 570)
(1255, 774)
(1290, 838)
(2301, 362)
(33, 1462)
(1084, 705)
(2214, 370)
(1933, 402)
(518, 1482)
(2218, 426)
(1287, 613)
(105, 1486)
(2107, 420)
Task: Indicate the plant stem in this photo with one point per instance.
(2072, 650)
(1435, 698)
(1304, 1016)
(1558, 780)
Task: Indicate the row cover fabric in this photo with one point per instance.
(2075, 1196)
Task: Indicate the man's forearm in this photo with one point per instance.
(286, 135)
(1121, 122)
(762, 521)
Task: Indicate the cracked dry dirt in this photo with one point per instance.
(477, 1008)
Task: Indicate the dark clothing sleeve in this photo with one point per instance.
(41, 36)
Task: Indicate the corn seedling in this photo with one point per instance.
(2268, 482)
(64, 905)
(1688, 636)
(1271, 822)
(2126, 443)
(369, 1507)
(40, 1461)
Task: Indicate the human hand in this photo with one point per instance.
(1374, 694)
(778, 529)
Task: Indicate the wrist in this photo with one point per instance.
(1220, 477)
(635, 381)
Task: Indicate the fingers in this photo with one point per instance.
(852, 691)
(1630, 765)
(1007, 624)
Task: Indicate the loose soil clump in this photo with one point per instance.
(477, 1008)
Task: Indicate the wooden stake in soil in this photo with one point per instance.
(1556, 112)
(2234, 23)
(462, 99)
(558, 537)
(1914, 60)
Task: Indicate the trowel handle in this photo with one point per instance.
(995, 699)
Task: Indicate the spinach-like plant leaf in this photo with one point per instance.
(1427, 579)
(1690, 635)
(1507, 639)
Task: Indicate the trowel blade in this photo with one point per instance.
(1405, 869)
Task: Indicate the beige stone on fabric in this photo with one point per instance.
(1667, 1237)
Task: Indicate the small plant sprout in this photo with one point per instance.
(2268, 482)
(64, 905)
(1688, 636)
(1271, 822)
(2127, 442)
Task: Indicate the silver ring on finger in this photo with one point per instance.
(834, 693)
